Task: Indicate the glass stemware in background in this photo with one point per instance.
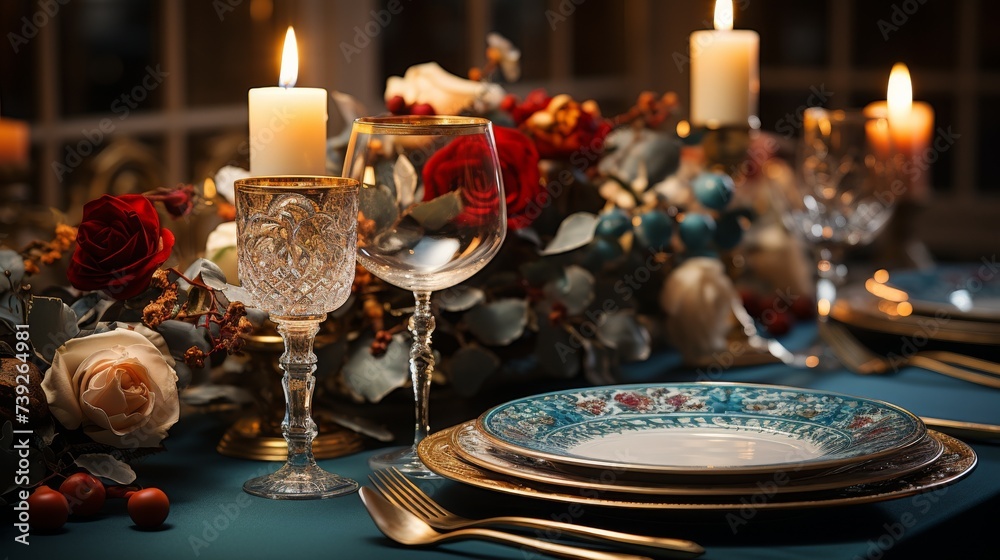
(848, 184)
(432, 213)
(297, 239)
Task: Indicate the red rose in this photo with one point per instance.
(444, 172)
(177, 202)
(119, 246)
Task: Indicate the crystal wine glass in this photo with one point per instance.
(848, 185)
(432, 213)
(296, 246)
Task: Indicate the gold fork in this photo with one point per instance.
(400, 491)
(860, 359)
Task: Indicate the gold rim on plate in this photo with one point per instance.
(865, 314)
(743, 473)
(956, 463)
(909, 460)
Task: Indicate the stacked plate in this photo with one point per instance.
(699, 446)
(955, 303)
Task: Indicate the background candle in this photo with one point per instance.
(725, 80)
(909, 130)
(288, 124)
(14, 139)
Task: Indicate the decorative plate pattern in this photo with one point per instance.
(957, 462)
(470, 446)
(700, 428)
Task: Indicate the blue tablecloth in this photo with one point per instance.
(212, 518)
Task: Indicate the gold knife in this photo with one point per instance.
(958, 428)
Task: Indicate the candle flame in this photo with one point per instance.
(724, 15)
(899, 96)
(289, 61)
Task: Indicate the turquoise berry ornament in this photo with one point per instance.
(613, 224)
(714, 190)
(697, 230)
(602, 251)
(728, 231)
(654, 230)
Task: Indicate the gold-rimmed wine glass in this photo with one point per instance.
(432, 213)
(296, 247)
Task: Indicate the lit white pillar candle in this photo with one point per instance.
(909, 130)
(288, 124)
(725, 79)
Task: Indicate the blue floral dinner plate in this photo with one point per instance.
(700, 428)
(967, 290)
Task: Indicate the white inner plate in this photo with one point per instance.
(696, 447)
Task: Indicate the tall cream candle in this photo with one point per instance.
(725, 74)
(908, 128)
(288, 124)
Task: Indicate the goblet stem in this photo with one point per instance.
(421, 363)
(830, 274)
(298, 362)
(300, 477)
(421, 369)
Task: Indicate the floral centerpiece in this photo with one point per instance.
(602, 210)
(94, 374)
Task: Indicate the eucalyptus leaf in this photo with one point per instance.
(11, 308)
(530, 235)
(575, 289)
(199, 301)
(459, 298)
(623, 332)
(471, 366)
(50, 324)
(438, 212)
(105, 466)
(12, 270)
(574, 232)
(372, 378)
(180, 335)
(202, 395)
(498, 323)
(405, 178)
(238, 293)
(378, 203)
(209, 272)
(89, 307)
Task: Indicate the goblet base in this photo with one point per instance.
(403, 459)
(300, 483)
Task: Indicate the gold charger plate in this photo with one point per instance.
(957, 462)
(858, 308)
(472, 447)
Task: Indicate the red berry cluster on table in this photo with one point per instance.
(82, 495)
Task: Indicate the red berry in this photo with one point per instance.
(148, 508)
(422, 109)
(396, 105)
(48, 509)
(780, 324)
(84, 493)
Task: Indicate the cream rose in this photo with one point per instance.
(446, 92)
(117, 386)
